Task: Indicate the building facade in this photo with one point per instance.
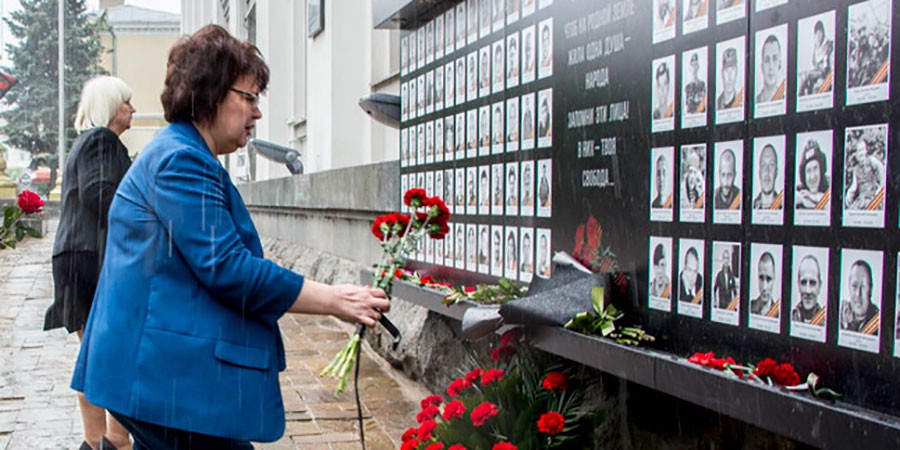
(316, 82)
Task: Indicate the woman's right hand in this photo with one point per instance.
(348, 302)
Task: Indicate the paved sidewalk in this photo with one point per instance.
(39, 411)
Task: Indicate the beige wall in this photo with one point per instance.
(141, 62)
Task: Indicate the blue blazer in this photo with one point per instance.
(183, 330)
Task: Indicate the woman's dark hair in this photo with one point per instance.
(202, 68)
(813, 152)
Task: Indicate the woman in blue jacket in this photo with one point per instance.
(182, 344)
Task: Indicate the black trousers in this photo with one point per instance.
(148, 436)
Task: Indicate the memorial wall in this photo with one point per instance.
(730, 158)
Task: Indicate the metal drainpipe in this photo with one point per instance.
(115, 52)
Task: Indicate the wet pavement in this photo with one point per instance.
(38, 410)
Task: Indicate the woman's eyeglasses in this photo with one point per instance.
(252, 98)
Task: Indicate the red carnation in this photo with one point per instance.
(428, 412)
(409, 434)
(491, 376)
(30, 203)
(411, 444)
(468, 289)
(473, 375)
(765, 368)
(414, 197)
(555, 380)
(433, 399)
(376, 228)
(454, 410)
(424, 431)
(426, 280)
(483, 412)
(704, 359)
(511, 336)
(502, 351)
(435, 446)
(457, 386)
(785, 375)
(457, 447)
(719, 363)
(398, 274)
(504, 446)
(551, 423)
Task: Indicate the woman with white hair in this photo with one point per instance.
(96, 163)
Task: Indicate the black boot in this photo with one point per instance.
(85, 446)
(105, 444)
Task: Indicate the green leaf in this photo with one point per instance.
(597, 299)
(607, 327)
(32, 232)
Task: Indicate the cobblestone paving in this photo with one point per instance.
(38, 409)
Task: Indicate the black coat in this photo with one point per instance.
(96, 164)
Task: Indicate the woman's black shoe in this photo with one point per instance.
(105, 444)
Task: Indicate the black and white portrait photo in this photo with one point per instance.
(449, 85)
(460, 25)
(511, 253)
(484, 18)
(529, 55)
(429, 142)
(484, 130)
(696, 16)
(404, 55)
(692, 204)
(484, 71)
(484, 190)
(484, 249)
(663, 20)
(420, 95)
(449, 193)
(498, 130)
(526, 203)
(449, 138)
(472, 76)
(812, 180)
(730, 81)
(471, 247)
(404, 102)
(544, 187)
(865, 175)
(429, 92)
(404, 148)
(429, 42)
(498, 80)
(460, 80)
(662, 178)
(545, 48)
(768, 180)
(438, 37)
(460, 188)
(726, 282)
(420, 44)
(512, 11)
(663, 96)
(512, 124)
(439, 140)
(869, 51)
(512, 59)
(543, 260)
(695, 93)
(512, 189)
(460, 136)
(450, 31)
(498, 183)
(691, 277)
(545, 118)
(413, 55)
(420, 144)
(497, 250)
(765, 287)
(728, 178)
(528, 7)
(472, 135)
(770, 76)
(439, 88)
(815, 62)
(460, 252)
(859, 316)
(809, 293)
(528, 122)
(526, 254)
(660, 274)
(730, 10)
(471, 190)
(471, 21)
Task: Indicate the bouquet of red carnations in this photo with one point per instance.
(399, 235)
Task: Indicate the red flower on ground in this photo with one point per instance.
(454, 410)
(435, 446)
(785, 375)
(504, 446)
(702, 358)
(433, 399)
(491, 376)
(428, 412)
(29, 202)
(551, 423)
(426, 280)
(483, 412)
(409, 434)
(424, 431)
(511, 336)
(468, 289)
(719, 363)
(414, 197)
(555, 380)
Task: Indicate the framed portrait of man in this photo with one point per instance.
(526, 205)
(497, 189)
(865, 176)
(439, 37)
(770, 74)
(498, 130)
(484, 18)
(512, 59)
(662, 197)
(690, 277)
(860, 299)
(512, 124)
(429, 42)
(695, 90)
(728, 178)
(527, 130)
(664, 13)
(498, 80)
(815, 62)
(450, 30)
(543, 260)
(813, 180)
(484, 71)
(726, 283)
(484, 130)
(484, 249)
(545, 48)
(544, 188)
(663, 98)
(765, 287)
(512, 188)
(529, 55)
(498, 14)
(869, 51)
(692, 201)
(809, 293)
(497, 250)
(545, 118)
(511, 253)
(730, 81)
(526, 254)
(404, 55)
(660, 274)
(768, 180)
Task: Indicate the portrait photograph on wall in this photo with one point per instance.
(728, 182)
(813, 180)
(809, 293)
(860, 299)
(815, 62)
(695, 94)
(770, 72)
(692, 202)
(662, 197)
(869, 51)
(768, 180)
(660, 279)
(730, 80)
(766, 266)
(691, 277)
(726, 283)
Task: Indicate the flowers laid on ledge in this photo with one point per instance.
(399, 235)
(487, 294)
(767, 371)
(519, 402)
(12, 229)
(602, 322)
